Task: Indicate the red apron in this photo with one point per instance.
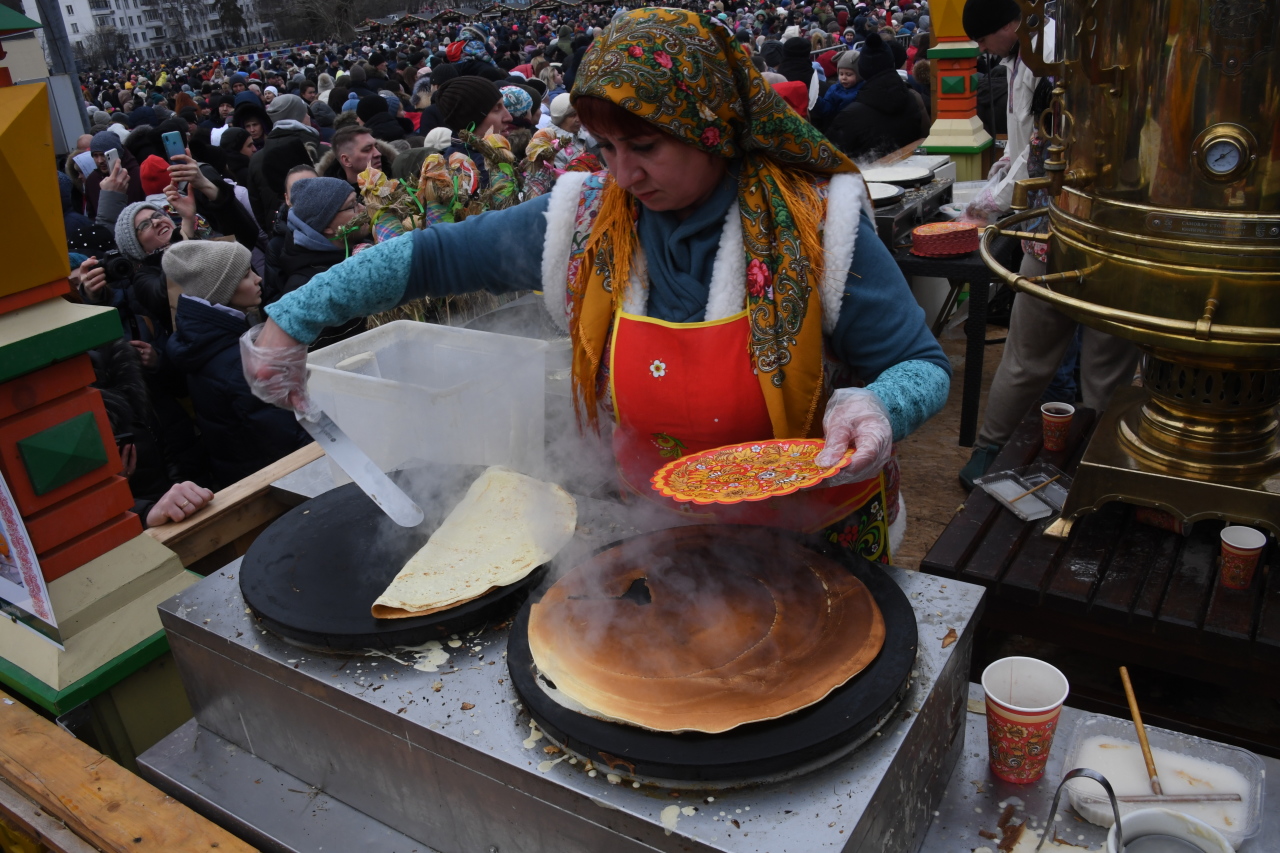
(680, 388)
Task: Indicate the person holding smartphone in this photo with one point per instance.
(103, 142)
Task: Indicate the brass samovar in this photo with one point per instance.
(1163, 171)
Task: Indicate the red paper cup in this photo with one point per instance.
(1024, 701)
(1241, 548)
(1057, 420)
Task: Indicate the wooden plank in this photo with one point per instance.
(1267, 639)
(1190, 585)
(1082, 566)
(98, 800)
(1229, 621)
(1031, 568)
(964, 533)
(1143, 550)
(24, 815)
(999, 545)
(234, 511)
(1151, 594)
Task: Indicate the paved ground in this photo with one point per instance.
(931, 458)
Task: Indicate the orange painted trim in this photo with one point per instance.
(78, 514)
(32, 295)
(41, 418)
(44, 385)
(88, 546)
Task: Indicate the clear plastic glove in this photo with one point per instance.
(983, 208)
(275, 366)
(999, 169)
(856, 418)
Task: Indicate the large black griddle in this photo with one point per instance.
(848, 715)
(312, 576)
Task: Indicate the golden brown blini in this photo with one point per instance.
(503, 528)
(741, 625)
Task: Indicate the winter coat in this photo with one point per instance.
(297, 266)
(886, 116)
(837, 97)
(241, 433)
(386, 127)
(285, 148)
(120, 381)
(93, 183)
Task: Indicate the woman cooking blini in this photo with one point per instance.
(722, 282)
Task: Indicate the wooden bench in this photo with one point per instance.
(1116, 588)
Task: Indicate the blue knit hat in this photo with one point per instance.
(317, 200)
(353, 101)
(104, 141)
(516, 100)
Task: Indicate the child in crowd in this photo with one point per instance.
(241, 433)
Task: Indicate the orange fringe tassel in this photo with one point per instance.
(613, 241)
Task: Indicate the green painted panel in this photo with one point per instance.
(59, 454)
(21, 357)
(953, 85)
(974, 80)
(103, 678)
(959, 149)
(944, 51)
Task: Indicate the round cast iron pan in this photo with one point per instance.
(889, 201)
(847, 714)
(312, 576)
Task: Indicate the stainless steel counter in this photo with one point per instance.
(277, 812)
(394, 743)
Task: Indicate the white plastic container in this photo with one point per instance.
(1190, 765)
(409, 391)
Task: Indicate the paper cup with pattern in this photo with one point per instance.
(1056, 418)
(1024, 701)
(1241, 549)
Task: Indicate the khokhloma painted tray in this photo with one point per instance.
(745, 472)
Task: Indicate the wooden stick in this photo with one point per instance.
(1142, 732)
(1036, 489)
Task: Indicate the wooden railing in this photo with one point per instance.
(229, 523)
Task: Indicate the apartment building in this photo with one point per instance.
(100, 30)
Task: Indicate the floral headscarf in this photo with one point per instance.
(685, 73)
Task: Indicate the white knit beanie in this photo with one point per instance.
(209, 269)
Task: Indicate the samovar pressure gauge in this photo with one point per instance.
(1224, 152)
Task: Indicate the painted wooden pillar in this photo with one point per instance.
(957, 130)
(58, 451)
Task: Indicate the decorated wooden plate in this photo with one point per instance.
(745, 472)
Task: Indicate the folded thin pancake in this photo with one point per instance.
(704, 629)
(504, 527)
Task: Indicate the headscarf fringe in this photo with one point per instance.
(807, 209)
(613, 240)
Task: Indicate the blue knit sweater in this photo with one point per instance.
(881, 332)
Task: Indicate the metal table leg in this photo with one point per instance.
(975, 329)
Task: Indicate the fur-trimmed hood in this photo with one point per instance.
(328, 166)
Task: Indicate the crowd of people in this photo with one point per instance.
(212, 186)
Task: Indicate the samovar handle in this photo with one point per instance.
(1035, 22)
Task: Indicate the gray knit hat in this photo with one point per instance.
(209, 269)
(101, 119)
(287, 107)
(104, 141)
(317, 200)
(127, 235)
